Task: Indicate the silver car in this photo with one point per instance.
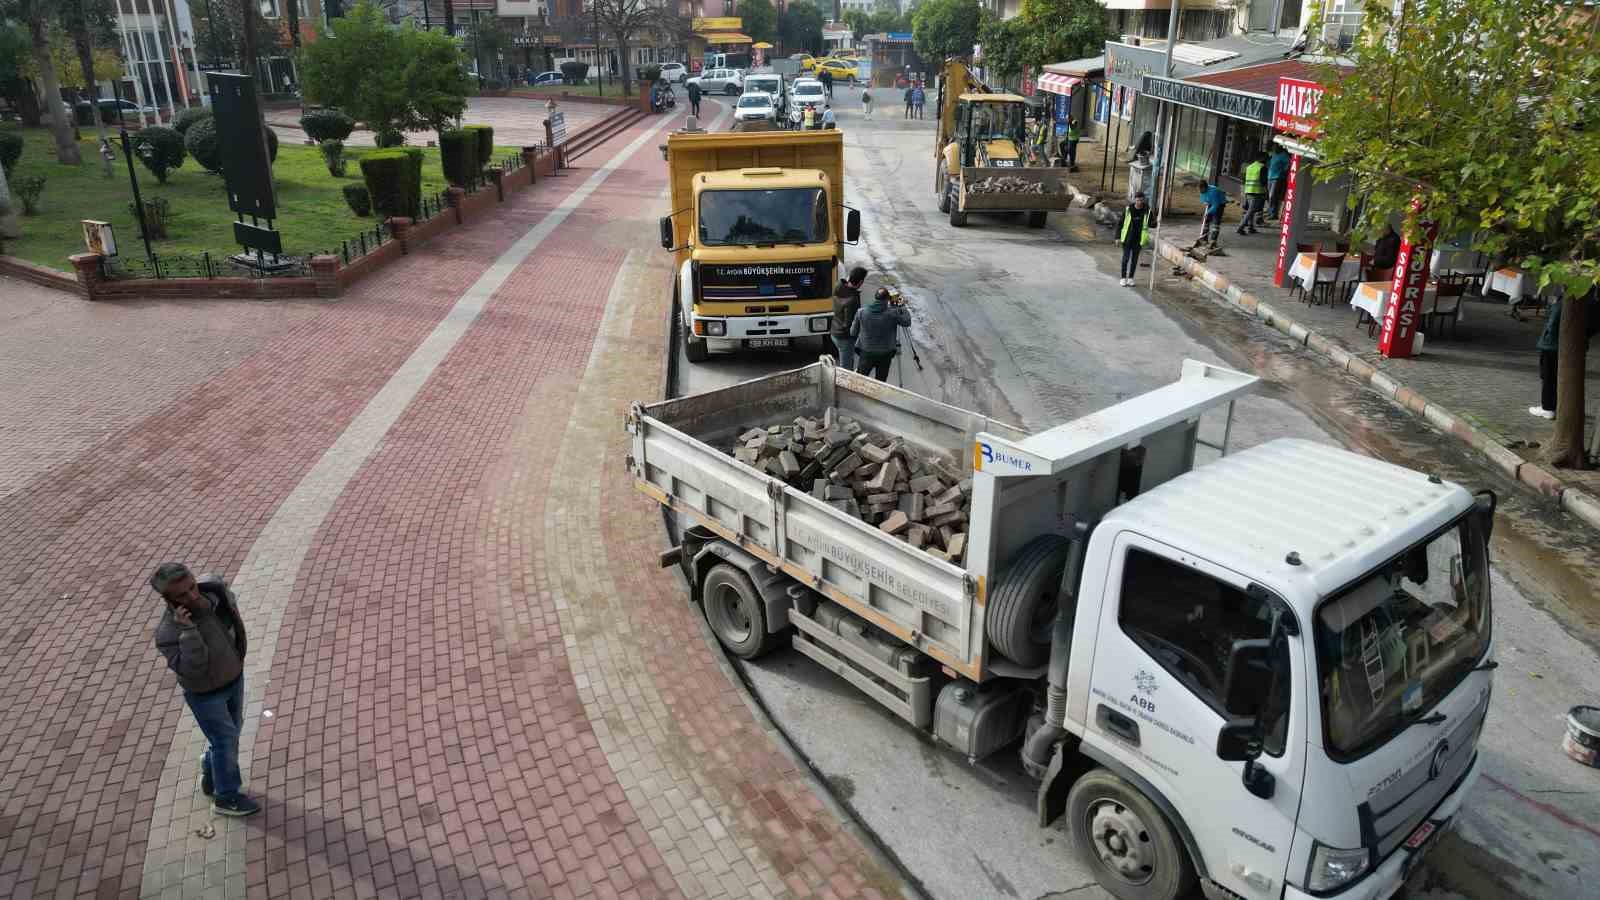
(755, 106)
(720, 81)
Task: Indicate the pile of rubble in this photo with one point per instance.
(917, 496)
(1009, 184)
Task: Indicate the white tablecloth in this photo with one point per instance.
(1372, 298)
(1305, 265)
(1514, 283)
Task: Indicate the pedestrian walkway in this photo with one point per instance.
(517, 121)
(467, 675)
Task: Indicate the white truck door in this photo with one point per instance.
(1155, 704)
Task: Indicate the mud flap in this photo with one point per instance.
(1052, 798)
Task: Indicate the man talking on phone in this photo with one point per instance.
(202, 637)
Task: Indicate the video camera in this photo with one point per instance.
(893, 295)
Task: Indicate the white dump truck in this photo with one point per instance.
(1265, 672)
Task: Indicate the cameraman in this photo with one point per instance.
(874, 330)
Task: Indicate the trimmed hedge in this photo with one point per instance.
(11, 145)
(574, 72)
(359, 201)
(485, 136)
(201, 142)
(458, 156)
(388, 182)
(186, 119)
(650, 74)
(160, 149)
(327, 125)
(389, 137)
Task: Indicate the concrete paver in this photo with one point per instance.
(480, 684)
(517, 121)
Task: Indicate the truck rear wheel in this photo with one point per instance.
(735, 612)
(1133, 850)
(1037, 218)
(944, 190)
(1022, 609)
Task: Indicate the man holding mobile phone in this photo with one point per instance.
(202, 637)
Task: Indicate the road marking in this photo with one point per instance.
(175, 854)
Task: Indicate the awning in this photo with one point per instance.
(728, 37)
(1058, 84)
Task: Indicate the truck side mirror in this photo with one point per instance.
(1239, 740)
(1483, 506)
(1248, 677)
(852, 226)
(666, 233)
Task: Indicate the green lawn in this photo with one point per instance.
(311, 210)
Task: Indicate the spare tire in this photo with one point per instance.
(1022, 607)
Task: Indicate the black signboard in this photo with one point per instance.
(242, 144)
(1233, 104)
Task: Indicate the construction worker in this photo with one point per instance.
(1255, 193)
(1131, 237)
(1072, 145)
(1214, 201)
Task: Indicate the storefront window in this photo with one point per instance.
(1197, 141)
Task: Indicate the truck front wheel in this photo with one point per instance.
(735, 612)
(1037, 218)
(957, 218)
(944, 190)
(1131, 847)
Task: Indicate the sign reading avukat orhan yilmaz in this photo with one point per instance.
(1235, 104)
(246, 166)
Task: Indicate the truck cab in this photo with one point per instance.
(759, 229)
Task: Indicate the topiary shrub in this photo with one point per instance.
(28, 188)
(574, 72)
(327, 125)
(160, 149)
(388, 181)
(356, 196)
(201, 142)
(157, 213)
(413, 181)
(186, 119)
(333, 155)
(11, 145)
(485, 136)
(458, 156)
(650, 74)
(389, 137)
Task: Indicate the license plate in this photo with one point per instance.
(1421, 835)
(767, 343)
(1420, 842)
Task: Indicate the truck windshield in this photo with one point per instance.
(785, 215)
(766, 84)
(997, 121)
(1391, 645)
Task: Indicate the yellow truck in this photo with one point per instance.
(981, 164)
(758, 226)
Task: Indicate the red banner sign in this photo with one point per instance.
(1286, 221)
(1296, 111)
(1404, 311)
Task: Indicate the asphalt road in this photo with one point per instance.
(1030, 326)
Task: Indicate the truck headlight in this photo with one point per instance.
(716, 327)
(1333, 868)
(820, 324)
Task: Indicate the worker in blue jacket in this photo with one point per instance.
(1277, 181)
(1214, 201)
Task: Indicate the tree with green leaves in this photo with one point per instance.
(489, 41)
(219, 32)
(800, 27)
(37, 16)
(392, 79)
(760, 19)
(1480, 116)
(92, 26)
(941, 29)
(1043, 32)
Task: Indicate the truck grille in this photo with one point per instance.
(1389, 816)
(769, 282)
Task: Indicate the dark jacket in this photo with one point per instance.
(875, 325)
(1550, 338)
(846, 300)
(694, 92)
(1133, 222)
(209, 654)
(1385, 250)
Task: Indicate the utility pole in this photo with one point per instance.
(600, 72)
(449, 18)
(1164, 142)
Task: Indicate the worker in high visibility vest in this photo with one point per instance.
(1255, 194)
(1072, 144)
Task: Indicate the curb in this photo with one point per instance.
(1574, 500)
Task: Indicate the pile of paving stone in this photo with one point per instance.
(918, 496)
(1008, 184)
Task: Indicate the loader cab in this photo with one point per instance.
(989, 129)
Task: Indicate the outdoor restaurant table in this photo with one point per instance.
(1305, 265)
(1512, 282)
(1372, 298)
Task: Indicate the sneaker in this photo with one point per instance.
(235, 805)
(205, 782)
(1541, 412)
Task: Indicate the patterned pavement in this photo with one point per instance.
(479, 683)
(517, 121)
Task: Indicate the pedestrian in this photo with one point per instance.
(910, 98)
(1549, 345)
(827, 117)
(1255, 193)
(827, 83)
(202, 637)
(1131, 237)
(1072, 145)
(1214, 201)
(918, 98)
(875, 330)
(1386, 249)
(694, 98)
(1277, 181)
(846, 303)
(866, 103)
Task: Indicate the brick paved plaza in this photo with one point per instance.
(479, 683)
(517, 121)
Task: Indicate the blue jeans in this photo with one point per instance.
(220, 715)
(847, 351)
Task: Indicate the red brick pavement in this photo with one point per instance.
(430, 739)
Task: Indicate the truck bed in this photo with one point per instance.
(924, 601)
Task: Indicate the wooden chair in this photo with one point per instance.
(1325, 275)
(1447, 298)
(1307, 248)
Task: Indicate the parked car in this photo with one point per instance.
(769, 83)
(807, 61)
(756, 106)
(841, 70)
(675, 72)
(544, 78)
(720, 81)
